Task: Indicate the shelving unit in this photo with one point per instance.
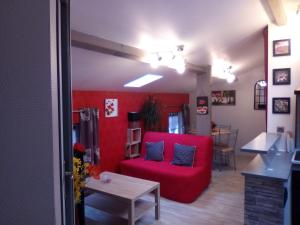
(133, 142)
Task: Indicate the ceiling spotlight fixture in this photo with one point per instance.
(223, 70)
(262, 83)
(230, 78)
(172, 59)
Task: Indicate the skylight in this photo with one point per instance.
(146, 79)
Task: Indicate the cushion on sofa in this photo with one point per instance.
(184, 155)
(155, 151)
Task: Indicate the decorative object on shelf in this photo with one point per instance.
(133, 119)
(282, 76)
(202, 105)
(281, 105)
(111, 107)
(282, 47)
(223, 97)
(151, 114)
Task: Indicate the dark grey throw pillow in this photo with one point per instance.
(155, 151)
(184, 155)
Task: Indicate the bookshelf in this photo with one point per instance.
(133, 142)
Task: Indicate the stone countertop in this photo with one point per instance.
(274, 164)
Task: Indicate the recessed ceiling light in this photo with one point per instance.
(146, 79)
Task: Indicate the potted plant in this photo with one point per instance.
(151, 114)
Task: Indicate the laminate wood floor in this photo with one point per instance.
(222, 203)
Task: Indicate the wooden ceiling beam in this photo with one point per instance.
(278, 11)
(93, 43)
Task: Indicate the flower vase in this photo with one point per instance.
(79, 211)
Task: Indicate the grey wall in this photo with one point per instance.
(29, 165)
(250, 122)
(203, 122)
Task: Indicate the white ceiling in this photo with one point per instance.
(230, 29)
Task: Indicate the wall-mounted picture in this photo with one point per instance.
(223, 97)
(281, 105)
(111, 107)
(202, 105)
(282, 76)
(282, 47)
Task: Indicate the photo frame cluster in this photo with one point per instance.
(281, 76)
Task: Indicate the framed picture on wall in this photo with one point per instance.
(282, 47)
(282, 76)
(281, 105)
(223, 97)
(202, 105)
(111, 107)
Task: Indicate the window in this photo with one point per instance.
(175, 123)
(75, 133)
(260, 95)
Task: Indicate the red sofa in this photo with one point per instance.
(179, 183)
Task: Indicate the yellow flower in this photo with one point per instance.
(79, 174)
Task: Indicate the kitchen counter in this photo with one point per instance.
(274, 164)
(267, 182)
(262, 143)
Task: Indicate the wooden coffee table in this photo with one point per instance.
(122, 196)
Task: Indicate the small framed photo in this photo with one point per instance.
(281, 105)
(282, 47)
(282, 76)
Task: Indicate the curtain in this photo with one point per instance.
(89, 134)
(186, 118)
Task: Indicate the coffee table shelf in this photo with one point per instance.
(116, 207)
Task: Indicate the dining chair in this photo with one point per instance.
(225, 151)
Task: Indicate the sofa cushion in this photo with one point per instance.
(202, 143)
(155, 151)
(184, 155)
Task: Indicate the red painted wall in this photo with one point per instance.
(113, 130)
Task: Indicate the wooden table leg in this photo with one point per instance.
(131, 213)
(157, 203)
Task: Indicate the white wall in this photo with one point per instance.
(242, 116)
(292, 32)
(250, 122)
